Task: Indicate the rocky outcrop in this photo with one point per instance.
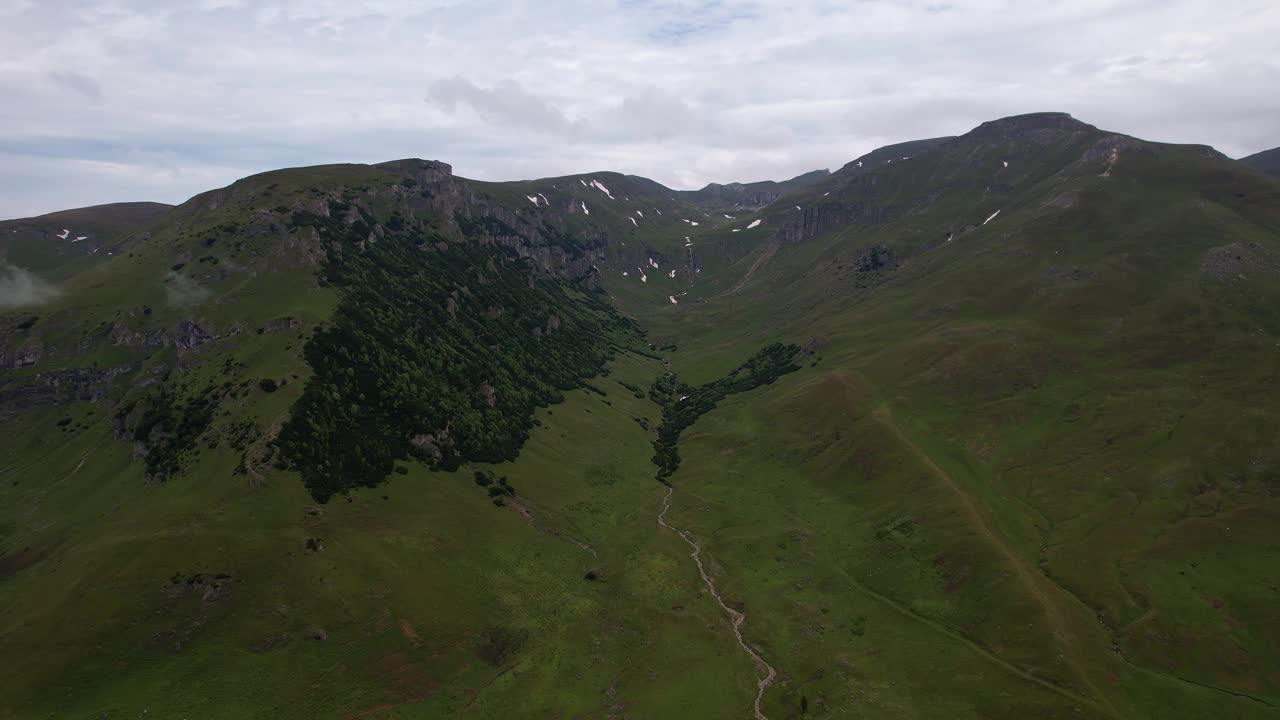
(751, 196)
(26, 353)
(432, 446)
(1239, 261)
(121, 335)
(60, 387)
(812, 221)
(187, 336)
(430, 186)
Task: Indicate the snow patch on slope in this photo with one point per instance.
(599, 186)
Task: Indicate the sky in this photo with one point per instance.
(115, 100)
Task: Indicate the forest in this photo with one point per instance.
(438, 351)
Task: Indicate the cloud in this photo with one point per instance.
(109, 100)
(182, 291)
(19, 287)
(506, 104)
(82, 84)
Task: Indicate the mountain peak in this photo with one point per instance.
(1016, 126)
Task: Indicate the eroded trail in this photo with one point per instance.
(736, 618)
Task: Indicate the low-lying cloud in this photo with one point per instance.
(19, 287)
(182, 291)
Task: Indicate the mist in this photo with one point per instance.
(182, 291)
(20, 287)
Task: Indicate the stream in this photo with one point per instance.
(735, 618)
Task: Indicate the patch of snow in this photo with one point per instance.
(906, 157)
(672, 298)
(633, 221)
(993, 217)
(754, 223)
(584, 182)
(653, 264)
(657, 211)
(585, 210)
(825, 194)
(544, 199)
(1006, 163)
(671, 274)
(80, 237)
(533, 199)
(737, 229)
(597, 185)
(729, 217)
(798, 208)
(640, 213)
(951, 237)
(624, 273)
(65, 233)
(859, 163)
(644, 278)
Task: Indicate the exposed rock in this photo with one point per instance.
(281, 324)
(432, 446)
(27, 353)
(1238, 260)
(488, 394)
(191, 336)
(120, 334)
(61, 387)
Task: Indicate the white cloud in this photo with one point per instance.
(135, 99)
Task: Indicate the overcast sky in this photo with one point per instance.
(116, 100)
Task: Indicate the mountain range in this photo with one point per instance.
(981, 426)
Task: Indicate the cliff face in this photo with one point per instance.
(429, 186)
(751, 196)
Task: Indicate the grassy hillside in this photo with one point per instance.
(1055, 430)
(1267, 161)
(975, 427)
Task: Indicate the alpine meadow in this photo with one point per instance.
(981, 424)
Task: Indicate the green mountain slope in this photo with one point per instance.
(1268, 161)
(979, 426)
(37, 253)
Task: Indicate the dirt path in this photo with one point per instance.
(735, 618)
(1032, 579)
(765, 257)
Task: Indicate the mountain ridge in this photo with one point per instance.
(377, 439)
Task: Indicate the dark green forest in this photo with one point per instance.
(684, 404)
(438, 350)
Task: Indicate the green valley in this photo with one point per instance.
(983, 426)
